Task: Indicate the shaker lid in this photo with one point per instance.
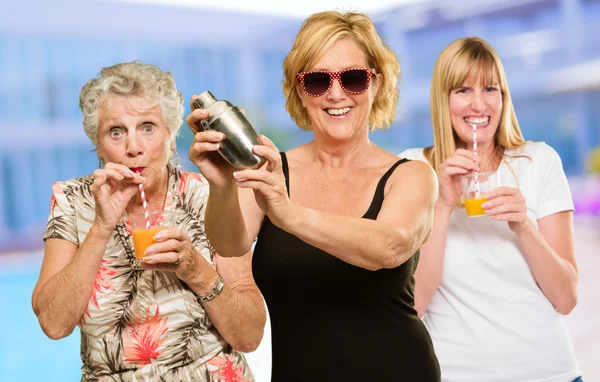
(204, 100)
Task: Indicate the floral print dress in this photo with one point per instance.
(145, 325)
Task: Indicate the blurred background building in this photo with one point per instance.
(49, 49)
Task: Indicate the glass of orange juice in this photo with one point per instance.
(143, 233)
(474, 190)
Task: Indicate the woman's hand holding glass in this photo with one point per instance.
(173, 251)
(268, 183)
(449, 175)
(113, 187)
(507, 204)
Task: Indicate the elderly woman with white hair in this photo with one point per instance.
(186, 313)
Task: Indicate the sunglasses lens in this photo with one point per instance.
(316, 83)
(355, 80)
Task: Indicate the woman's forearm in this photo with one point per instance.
(238, 312)
(431, 260)
(62, 300)
(365, 243)
(240, 317)
(556, 277)
(224, 222)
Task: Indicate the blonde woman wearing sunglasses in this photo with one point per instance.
(339, 221)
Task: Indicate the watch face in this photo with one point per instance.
(216, 290)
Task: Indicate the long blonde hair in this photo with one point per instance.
(317, 34)
(469, 57)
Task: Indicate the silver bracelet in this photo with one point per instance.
(216, 290)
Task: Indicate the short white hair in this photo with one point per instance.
(136, 79)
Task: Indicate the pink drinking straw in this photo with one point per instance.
(145, 204)
(476, 171)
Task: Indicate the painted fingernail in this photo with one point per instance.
(486, 205)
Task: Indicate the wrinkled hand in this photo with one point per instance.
(174, 251)
(203, 151)
(113, 188)
(460, 163)
(268, 183)
(507, 204)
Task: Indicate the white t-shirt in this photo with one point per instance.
(489, 320)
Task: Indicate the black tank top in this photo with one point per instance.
(332, 321)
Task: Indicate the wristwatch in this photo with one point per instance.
(216, 290)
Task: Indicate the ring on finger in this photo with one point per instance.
(179, 259)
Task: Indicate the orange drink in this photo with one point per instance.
(143, 229)
(142, 239)
(473, 207)
(475, 187)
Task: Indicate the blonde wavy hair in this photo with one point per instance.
(468, 58)
(316, 35)
(132, 79)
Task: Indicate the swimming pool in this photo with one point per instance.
(26, 354)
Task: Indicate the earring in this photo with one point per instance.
(175, 160)
(100, 163)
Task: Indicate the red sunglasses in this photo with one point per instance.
(353, 81)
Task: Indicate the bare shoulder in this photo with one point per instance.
(415, 169)
(410, 194)
(414, 176)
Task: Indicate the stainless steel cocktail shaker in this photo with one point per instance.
(236, 148)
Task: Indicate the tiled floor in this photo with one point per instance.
(27, 355)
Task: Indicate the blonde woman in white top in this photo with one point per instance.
(492, 291)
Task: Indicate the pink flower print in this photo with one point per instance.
(185, 178)
(227, 372)
(143, 338)
(101, 284)
(53, 202)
